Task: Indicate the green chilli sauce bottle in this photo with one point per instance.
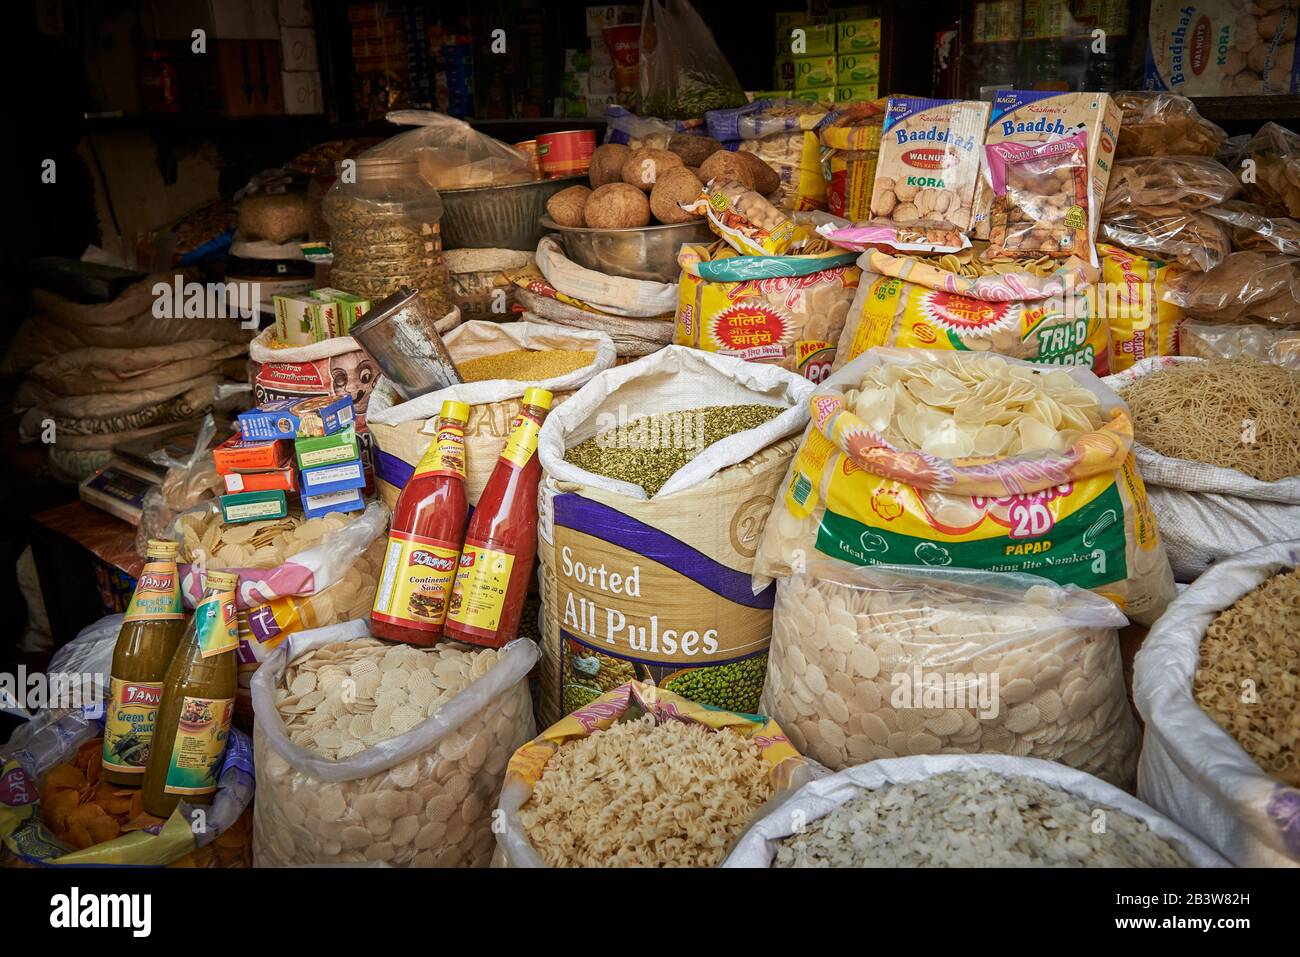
(151, 629)
(198, 700)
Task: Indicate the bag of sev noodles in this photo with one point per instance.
(938, 458)
(1038, 310)
(1207, 510)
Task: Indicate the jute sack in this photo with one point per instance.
(658, 589)
(402, 432)
(1207, 513)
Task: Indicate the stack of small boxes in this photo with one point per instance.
(588, 82)
(316, 316)
(835, 60)
(301, 77)
(308, 446)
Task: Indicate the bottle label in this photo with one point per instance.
(215, 624)
(482, 581)
(129, 723)
(157, 594)
(416, 581)
(445, 454)
(522, 444)
(200, 745)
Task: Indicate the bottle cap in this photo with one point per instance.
(164, 548)
(451, 409)
(538, 397)
(221, 581)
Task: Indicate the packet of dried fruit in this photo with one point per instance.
(750, 224)
(1041, 204)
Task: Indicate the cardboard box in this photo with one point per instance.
(302, 94)
(327, 449)
(857, 93)
(235, 78)
(303, 320)
(298, 54)
(783, 73)
(822, 94)
(598, 18)
(253, 507)
(814, 72)
(1219, 48)
(350, 309)
(1035, 116)
(818, 40)
(219, 19)
(858, 36)
(289, 418)
(600, 80)
(314, 506)
(857, 69)
(862, 11)
(285, 479)
(786, 19)
(339, 477)
(293, 13)
(238, 454)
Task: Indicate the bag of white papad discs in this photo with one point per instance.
(657, 588)
(369, 751)
(793, 825)
(872, 662)
(1064, 502)
(1191, 768)
(402, 432)
(1208, 513)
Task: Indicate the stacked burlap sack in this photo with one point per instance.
(108, 373)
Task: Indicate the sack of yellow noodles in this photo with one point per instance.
(925, 457)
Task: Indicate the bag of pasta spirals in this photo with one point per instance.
(1036, 310)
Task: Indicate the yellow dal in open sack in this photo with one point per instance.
(922, 457)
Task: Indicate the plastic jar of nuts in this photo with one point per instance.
(370, 752)
(384, 227)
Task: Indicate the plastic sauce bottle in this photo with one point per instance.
(146, 642)
(425, 539)
(501, 542)
(198, 699)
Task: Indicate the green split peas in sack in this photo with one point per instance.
(1076, 515)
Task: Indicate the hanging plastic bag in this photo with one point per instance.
(683, 73)
(451, 153)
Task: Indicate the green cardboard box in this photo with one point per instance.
(818, 40)
(857, 69)
(858, 36)
(859, 93)
(814, 72)
(327, 449)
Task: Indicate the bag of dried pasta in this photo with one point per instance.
(938, 458)
(1038, 310)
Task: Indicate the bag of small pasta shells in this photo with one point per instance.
(368, 751)
(641, 777)
(885, 661)
(294, 574)
(935, 458)
(966, 810)
(1038, 310)
(1215, 682)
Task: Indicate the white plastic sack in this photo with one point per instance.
(617, 295)
(1191, 769)
(425, 761)
(757, 847)
(1207, 513)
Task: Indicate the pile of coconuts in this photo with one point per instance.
(635, 187)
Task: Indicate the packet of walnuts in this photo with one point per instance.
(1040, 200)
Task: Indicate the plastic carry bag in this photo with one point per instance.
(851, 496)
(445, 772)
(1208, 513)
(1275, 152)
(757, 847)
(1191, 769)
(1243, 286)
(1164, 124)
(1195, 239)
(1169, 184)
(1254, 230)
(683, 74)
(928, 660)
(787, 769)
(451, 153)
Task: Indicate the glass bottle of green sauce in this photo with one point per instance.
(151, 629)
(198, 700)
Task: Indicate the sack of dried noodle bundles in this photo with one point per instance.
(882, 662)
(966, 810)
(368, 751)
(927, 458)
(1218, 443)
(1041, 200)
(657, 477)
(641, 777)
(1215, 682)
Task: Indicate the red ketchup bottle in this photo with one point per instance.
(497, 560)
(425, 538)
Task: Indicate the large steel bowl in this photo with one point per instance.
(499, 217)
(640, 252)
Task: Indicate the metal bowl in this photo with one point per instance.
(640, 252)
(499, 217)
